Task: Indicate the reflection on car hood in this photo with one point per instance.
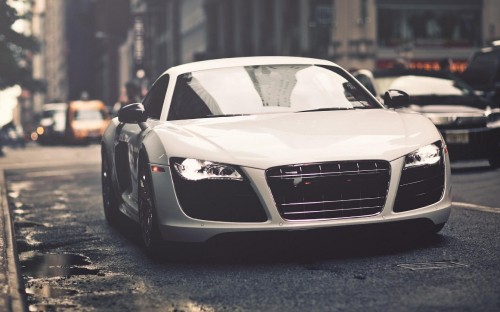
(263, 141)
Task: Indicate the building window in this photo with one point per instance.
(441, 24)
(320, 23)
(363, 13)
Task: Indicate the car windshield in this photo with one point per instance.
(89, 114)
(266, 89)
(52, 113)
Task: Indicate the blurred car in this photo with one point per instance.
(469, 124)
(483, 72)
(86, 121)
(52, 126)
(269, 144)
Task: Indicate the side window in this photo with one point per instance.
(366, 82)
(186, 103)
(153, 103)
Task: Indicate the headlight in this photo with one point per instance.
(196, 170)
(427, 155)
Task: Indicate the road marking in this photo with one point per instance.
(432, 265)
(476, 207)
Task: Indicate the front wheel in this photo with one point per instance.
(109, 197)
(151, 237)
(494, 159)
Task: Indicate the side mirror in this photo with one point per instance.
(396, 98)
(133, 113)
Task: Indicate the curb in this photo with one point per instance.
(16, 300)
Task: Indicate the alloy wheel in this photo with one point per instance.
(145, 207)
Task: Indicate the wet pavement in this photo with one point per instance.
(71, 260)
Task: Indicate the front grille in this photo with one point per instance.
(330, 190)
(462, 122)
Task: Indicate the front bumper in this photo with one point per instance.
(471, 143)
(175, 225)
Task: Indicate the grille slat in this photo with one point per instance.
(331, 201)
(330, 190)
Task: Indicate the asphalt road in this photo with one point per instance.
(72, 260)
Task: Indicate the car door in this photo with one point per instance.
(129, 138)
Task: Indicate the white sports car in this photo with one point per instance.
(269, 144)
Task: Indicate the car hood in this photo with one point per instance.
(263, 141)
(446, 109)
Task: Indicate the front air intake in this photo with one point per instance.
(420, 186)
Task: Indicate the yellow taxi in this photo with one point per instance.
(87, 120)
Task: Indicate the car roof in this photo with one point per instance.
(245, 61)
(91, 104)
(486, 50)
(396, 72)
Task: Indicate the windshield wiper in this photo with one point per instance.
(325, 109)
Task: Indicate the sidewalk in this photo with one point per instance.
(12, 296)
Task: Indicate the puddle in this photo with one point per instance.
(51, 307)
(14, 195)
(21, 186)
(59, 206)
(27, 224)
(64, 216)
(20, 208)
(48, 291)
(192, 307)
(52, 265)
(31, 241)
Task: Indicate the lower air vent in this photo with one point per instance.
(420, 187)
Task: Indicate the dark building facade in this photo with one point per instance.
(81, 42)
(112, 22)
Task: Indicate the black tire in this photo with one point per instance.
(494, 159)
(150, 233)
(109, 198)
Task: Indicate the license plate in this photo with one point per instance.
(457, 137)
(94, 134)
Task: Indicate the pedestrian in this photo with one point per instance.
(446, 64)
(1, 143)
(400, 63)
(131, 93)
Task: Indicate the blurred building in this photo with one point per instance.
(80, 48)
(63, 30)
(355, 33)
(422, 32)
(99, 46)
(53, 48)
(78, 54)
(111, 23)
